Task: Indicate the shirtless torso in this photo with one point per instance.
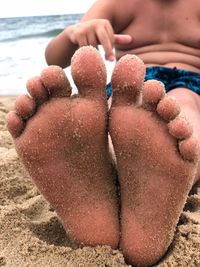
(163, 32)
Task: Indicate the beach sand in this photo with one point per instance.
(31, 234)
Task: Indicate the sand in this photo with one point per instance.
(31, 234)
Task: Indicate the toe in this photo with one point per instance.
(189, 149)
(127, 80)
(180, 128)
(15, 124)
(37, 90)
(168, 108)
(25, 106)
(153, 92)
(55, 81)
(89, 72)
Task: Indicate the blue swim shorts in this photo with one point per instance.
(171, 78)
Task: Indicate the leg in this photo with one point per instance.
(156, 161)
(63, 143)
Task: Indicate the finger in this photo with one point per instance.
(82, 40)
(122, 38)
(105, 41)
(110, 32)
(92, 39)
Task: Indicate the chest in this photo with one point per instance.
(158, 23)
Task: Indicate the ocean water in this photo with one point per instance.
(22, 45)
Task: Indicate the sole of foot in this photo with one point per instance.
(63, 143)
(156, 161)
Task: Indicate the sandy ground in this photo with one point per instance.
(31, 234)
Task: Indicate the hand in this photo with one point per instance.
(95, 32)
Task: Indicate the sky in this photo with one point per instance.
(18, 8)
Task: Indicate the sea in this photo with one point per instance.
(22, 46)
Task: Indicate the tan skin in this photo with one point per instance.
(164, 41)
(151, 29)
(162, 33)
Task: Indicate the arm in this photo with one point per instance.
(94, 28)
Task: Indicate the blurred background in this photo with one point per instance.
(26, 27)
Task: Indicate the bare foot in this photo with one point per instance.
(156, 160)
(63, 143)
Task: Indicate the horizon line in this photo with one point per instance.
(40, 15)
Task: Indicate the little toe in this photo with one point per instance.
(37, 90)
(25, 106)
(127, 80)
(168, 108)
(153, 92)
(15, 124)
(89, 72)
(180, 128)
(55, 81)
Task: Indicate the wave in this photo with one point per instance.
(46, 34)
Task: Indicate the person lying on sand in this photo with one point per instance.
(154, 126)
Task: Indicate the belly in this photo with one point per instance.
(169, 55)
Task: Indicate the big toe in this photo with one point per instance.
(127, 80)
(89, 72)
